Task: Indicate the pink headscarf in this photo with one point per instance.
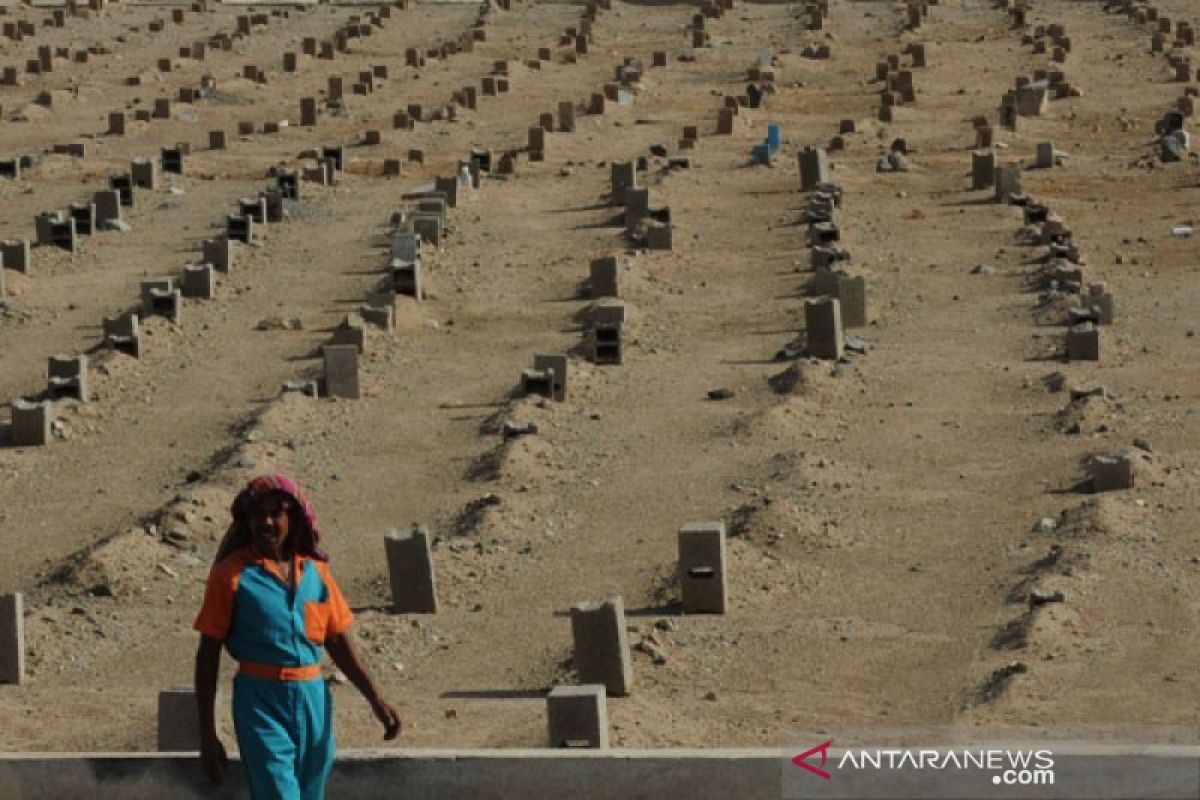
(238, 535)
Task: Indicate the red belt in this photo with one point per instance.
(257, 669)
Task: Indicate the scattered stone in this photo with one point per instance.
(1173, 147)
(720, 394)
(1045, 525)
(280, 324)
(1143, 444)
(1040, 597)
(856, 344)
(1055, 382)
(514, 429)
(983, 269)
(1084, 392)
(176, 536)
(651, 648)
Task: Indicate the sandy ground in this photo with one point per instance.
(882, 551)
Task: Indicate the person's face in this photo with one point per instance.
(270, 523)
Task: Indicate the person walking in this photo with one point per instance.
(272, 602)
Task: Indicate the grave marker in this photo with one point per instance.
(199, 281)
(121, 334)
(1111, 472)
(983, 170)
(68, 377)
(602, 645)
(12, 638)
(1083, 343)
(577, 716)
(702, 567)
(30, 425)
(178, 721)
(602, 280)
(341, 370)
(410, 569)
(823, 323)
(14, 255)
(814, 168)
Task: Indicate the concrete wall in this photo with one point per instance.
(416, 774)
(1099, 772)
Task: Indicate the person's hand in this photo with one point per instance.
(388, 717)
(213, 759)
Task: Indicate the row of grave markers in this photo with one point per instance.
(403, 119)
(46, 56)
(31, 418)
(417, 227)
(598, 630)
(577, 715)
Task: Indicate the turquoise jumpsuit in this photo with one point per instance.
(282, 708)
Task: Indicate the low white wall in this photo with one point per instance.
(1095, 772)
(418, 774)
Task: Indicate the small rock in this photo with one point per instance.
(982, 269)
(1084, 392)
(668, 625)
(280, 324)
(1045, 525)
(720, 394)
(512, 429)
(1055, 382)
(176, 535)
(1040, 597)
(648, 646)
(1143, 444)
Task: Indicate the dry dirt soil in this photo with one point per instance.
(882, 549)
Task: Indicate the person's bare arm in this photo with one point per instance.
(345, 655)
(208, 665)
